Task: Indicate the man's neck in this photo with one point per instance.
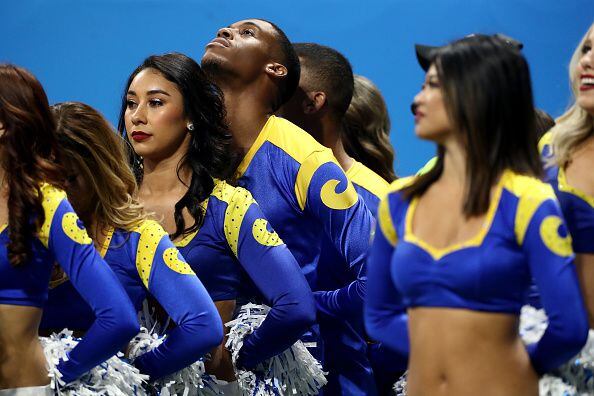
(247, 113)
(330, 136)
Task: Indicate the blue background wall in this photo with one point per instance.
(85, 49)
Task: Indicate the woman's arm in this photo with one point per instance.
(275, 273)
(172, 282)
(115, 322)
(547, 245)
(385, 315)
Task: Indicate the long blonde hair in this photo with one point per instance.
(366, 129)
(91, 145)
(575, 125)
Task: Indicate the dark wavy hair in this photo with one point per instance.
(209, 155)
(29, 155)
(488, 96)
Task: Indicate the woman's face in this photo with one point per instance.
(77, 188)
(431, 119)
(155, 121)
(585, 75)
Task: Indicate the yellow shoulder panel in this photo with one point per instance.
(546, 139)
(368, 179)
(427, 167)
(238, 201)
(287, 136)
(52, 197)
(385, 222)
(531, 193)
(384, 217)
(223, 191)
(151, 233)
(399, 184)
(291, 139)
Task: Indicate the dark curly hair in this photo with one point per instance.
(29, 154)
(209, 155)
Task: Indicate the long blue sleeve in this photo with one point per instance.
(332, 199)
(547, 245)
(115, 322)
(275, 273)
(172, 282)
(385, 314)
(346, 302)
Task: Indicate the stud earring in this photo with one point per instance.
(190, 126)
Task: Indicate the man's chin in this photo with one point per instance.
(212, 65)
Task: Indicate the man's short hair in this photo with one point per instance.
(328, 71)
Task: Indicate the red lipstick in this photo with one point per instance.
(139, 136)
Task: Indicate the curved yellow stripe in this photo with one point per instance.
(172, 260)
(338, 201)
(306, 172)
(549, 233)
(263, 236)
(384, 219)
(151, 233)
(73, 231)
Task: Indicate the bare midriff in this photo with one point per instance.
(22, 362)
(467, 353)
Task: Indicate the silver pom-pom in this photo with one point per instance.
(113, 377)
(577, 374)
(533, 323)
(188, 381)
(292, 372)
(554, 386)
(579, 371)
(400, 385)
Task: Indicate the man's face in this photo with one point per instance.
(243, 49)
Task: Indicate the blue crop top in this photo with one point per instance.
(236, 249)
(145, 261)
(524, 238)
(63, 239)
(577, 206)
